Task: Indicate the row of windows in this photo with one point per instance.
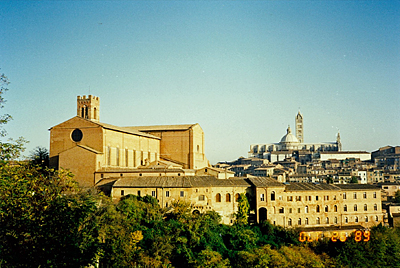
(327, 220)
(142, 158)
(364, 195)
(309, 198)
(326, 208)
(154, 194)
(218, 197)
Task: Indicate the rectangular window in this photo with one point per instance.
(298, 198)
(117, 157)
(355, 195)
(299, 210)
(167, 193)
(122, 192)
(316, 198)
(182, 193)
(138, 193)
(108, 156)
(290, 210)
(374, 194)
(262, 197)
(126, 157)
(365, 195)
(290, 198)
(153, 193)
(344, 196)
(281, 210)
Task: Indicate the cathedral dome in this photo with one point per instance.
(289, 137)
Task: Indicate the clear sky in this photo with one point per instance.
(241, 69)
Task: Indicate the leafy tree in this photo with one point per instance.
(40, 157)
(46, 221)
(212, 259)
(11, 149)
(397, 196)
(354, 179)
(243, 210)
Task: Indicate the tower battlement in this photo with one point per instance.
(88, 107)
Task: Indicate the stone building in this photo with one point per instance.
(315, 204)
(305, 205)
(205, 193)
(88, 147)
(294, 146)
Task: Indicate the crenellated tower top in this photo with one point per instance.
(88, 107)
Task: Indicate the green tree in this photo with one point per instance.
(242, 214)
(212, 259)
(40, 157)
(397, 196)
(46, 220)
(10, 149)
(354, 179)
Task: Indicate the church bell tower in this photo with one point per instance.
(88, 107)
(299, 127)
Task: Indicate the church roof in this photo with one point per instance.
(108, 126)
(126, 130)
(265, 182)
(178, 182)
(161, 127)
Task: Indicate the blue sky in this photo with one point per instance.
(241, 69)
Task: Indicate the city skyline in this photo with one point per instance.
(241, 69)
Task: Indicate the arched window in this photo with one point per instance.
(327, 220)
(318, 221)
(335, 208)
(345, 208)
(365, 207)
(299, 221)
(290, 222)
(375, 207)
(356, 219)
(317, 209)
(237, 197)
(108, 155)
(126, 157)
(272, 196)
(117, 156)
(306, 209)
(355, 207)
(218, 198)
(228, 197)
(306, 221)
(326, 208)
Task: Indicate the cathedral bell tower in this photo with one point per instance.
(338, 142)
(88, 108)
(299, 127)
